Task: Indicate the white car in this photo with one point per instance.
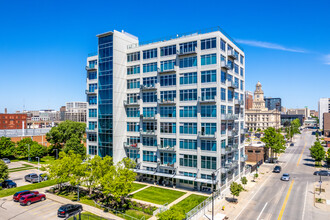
(285, 177)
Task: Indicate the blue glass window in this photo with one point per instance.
(236, 68)
(208, 93)
(223, 94)
(223, 77)
(188, 78)
(92, 150)
(133, 70)
(208, 111)
(92, 125)
(149, 156)
(149, 126)
(92, 113)
(209, 162)
(188, 94)
(149, 97)
(132, 98)
(168, 111)
(241, 59)
(132, 153)
(148, 54)
(236, 82)
(168, 80)
(188, 112)
(167, 142)
(223, 109)
(208, 145)
(167, 95)
(209, 59)
(242, 71)
(188, 128)
(92, 75)
(168, 127)
(188, 62)
(133, 126)
(188, 47)
(169, 50)
(167, 65)
(133, 56)
(92, 87)
(149, 111)
(208, 43)
(188, 144)
(222, 45)
(208, 128)
(242, 85)
(167, 158)
(92, 137)
(188, 160)
(133, 112)
(149, 67)
(209, 76)
(133, 83)
(230, 95)
(92, 100)
(92, 63)
(149, 141)
(150, 81)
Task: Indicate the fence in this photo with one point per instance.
(161, 209)
(25, 132)
(85, 216)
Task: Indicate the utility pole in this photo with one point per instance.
(38, 170)
(320, 183)
(29, 153)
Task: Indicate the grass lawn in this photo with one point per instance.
(190, 202)
(158, 195)
(88, 216)
(137, 186)
(44, 160)
(24, 167)
(134, 213)
(8, 192)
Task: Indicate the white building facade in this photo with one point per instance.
(176, 107)
(324, 107)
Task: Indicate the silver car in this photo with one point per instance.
(285, 177)
(6, 160)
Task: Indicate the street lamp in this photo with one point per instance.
(56, 153)
(38, 170)
(29, 152)
(78, 191)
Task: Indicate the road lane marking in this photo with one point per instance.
(285, 201)
(301, 153)
(36, 210)
(303, 213)
(262, 210)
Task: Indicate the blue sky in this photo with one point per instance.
(44, 44)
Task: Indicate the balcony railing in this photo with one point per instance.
(168, 165)
(232, 133)
(186, 52)
(91, 67)
(148, 87)
(207, 100)
(148, 117)
(231, 84)
(238, 102)
(136, 145)
(204, 135)
(166, 148)
(166, 101)
(91, 130)
(225, 65)
(232, 54)
(88, 92)
(127, 103)
(229, 116)
(148, 132)
(162, 70)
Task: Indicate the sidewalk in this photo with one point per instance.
(325, 206)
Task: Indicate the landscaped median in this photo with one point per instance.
(88, 216)
(23, 167)
(8, 192)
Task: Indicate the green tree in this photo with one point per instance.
(4, 173)
(235, 189)
(244, 181)
(59, 136)
(295, 126)
(37, 150)
(7, 147)
(174, 213)
(23, 146)
(259, 130)
(74, 144)
(274, 141)
(317, 152)
(328, 158)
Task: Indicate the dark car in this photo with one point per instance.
(68, 209)
(19, 194)
(322, 173)
(31, 198)
(277, 169)
(8, 184)
(33, 178)
(292, 144)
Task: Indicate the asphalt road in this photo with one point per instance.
(292, 200)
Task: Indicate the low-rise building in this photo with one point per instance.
(287, 119)
(256, 152)
(13, 121)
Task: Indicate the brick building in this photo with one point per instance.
(12, 121)
(248, 100)
(326, 128)
(256, 153)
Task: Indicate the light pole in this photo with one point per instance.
(29, 152)
(320, 184)
(38, 170)
(56, 153)
(78, 192)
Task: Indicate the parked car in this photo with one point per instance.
(8, 184)
(33, 178)
(43, 176)
(285, 177)
(68, 209)
(31, 198)
(6, 160)
(19, 194)
(292, 144)
(322, 173)
(277, 169)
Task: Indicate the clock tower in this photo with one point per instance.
(258, 101)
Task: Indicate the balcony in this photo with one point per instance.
(91, 130)
(232, 54)
(225, 65)
(205, 100)
(223, 170)
(167, 165)
(204, 135)
(166, 101)
(148, 132)
(244, 158)
(88, 68)
(232, 133)
(148, 87)
(127, 103)
(136, 145)
(231, 85)
(148, 117)
(161, 70)
(229, 117)
(229, 165)
(188, 52)
(166, 148)
(88, 92)
(238, 102)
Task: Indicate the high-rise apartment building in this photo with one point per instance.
(324, 107)
(273, 103)
(174, 106)
(76, 111)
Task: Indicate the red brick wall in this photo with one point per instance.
(12, 121)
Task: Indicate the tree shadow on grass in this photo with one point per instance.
(309, 164)
(309, 160)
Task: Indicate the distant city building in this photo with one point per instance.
(273, 103)
(76, 111)
(259, 116)
(314, 113)
(13, 121)
(283, 109)
(248, 100)
(299, 111)
(326, 128)
(287, 119)
(62, 113)
(323, 107)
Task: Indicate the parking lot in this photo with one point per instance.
(10, 210)
(18, 177)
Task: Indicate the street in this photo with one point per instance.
(276, 199)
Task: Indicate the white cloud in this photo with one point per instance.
(268, 45)
(327, 59)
